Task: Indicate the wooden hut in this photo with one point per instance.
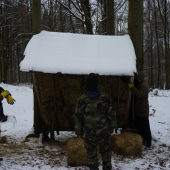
(60, 63)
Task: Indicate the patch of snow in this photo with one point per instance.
(36, 155)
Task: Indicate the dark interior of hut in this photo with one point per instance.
(58, 93)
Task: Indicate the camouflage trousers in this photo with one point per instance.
(91, 146)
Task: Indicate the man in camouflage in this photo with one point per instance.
(95, 120)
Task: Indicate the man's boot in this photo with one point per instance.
(3, 118)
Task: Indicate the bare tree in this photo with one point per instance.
(110, 17)
(135, 29)
(36, 28)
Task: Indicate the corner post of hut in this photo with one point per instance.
(55, 109)
(128, 103)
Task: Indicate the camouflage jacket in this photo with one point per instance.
(94, 114)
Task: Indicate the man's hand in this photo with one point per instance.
(10, 100)
(80, 137)
(130, 85)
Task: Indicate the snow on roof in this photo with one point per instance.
(52, 52)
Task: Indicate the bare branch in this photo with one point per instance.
(120, 6)
(6, 5)
(46, 27)
(21, 3)
(121, 14)
(10, 26)
(76, 7)
(70, 11)
(22, 34)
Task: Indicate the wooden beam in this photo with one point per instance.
(118, 99)
(55, 103)
(36, 84)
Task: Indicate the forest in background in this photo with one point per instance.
(83, 17)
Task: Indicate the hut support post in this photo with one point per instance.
(133, 107)
(35, 79)
(118, 99)
(66, 84)
(52, 135)
(105, 83)
(55, 104)
(128, 106)
(38, 120)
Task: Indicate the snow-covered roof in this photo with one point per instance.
(52, 52)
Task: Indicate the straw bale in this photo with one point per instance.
(76, 153)
(68, 88)
(127, 143)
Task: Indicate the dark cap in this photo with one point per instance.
(92, 81)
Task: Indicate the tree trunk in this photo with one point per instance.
(165, 25)
(36, 16)
(135, 29)
(86, 9)
(151, 45)
(157, 43)
(36, 28)
(110, 17)
(165, 43)
(61, 20)
(71, 19)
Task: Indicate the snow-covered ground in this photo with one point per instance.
(31, 154)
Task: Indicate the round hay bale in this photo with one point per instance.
(127, 143)
(76, 153)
